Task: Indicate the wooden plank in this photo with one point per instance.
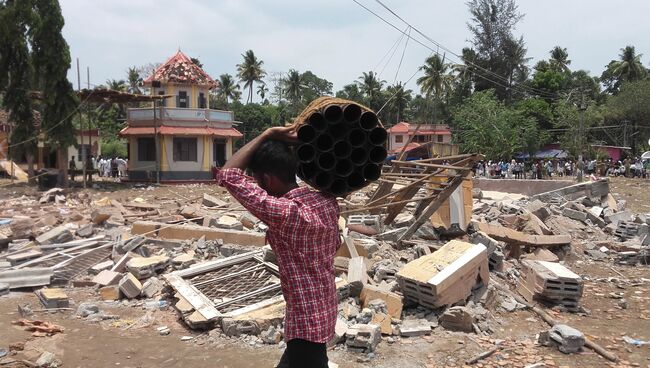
(200, 302)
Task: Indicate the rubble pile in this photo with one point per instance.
(207, 258)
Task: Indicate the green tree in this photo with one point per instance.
(262, 91)
(436, 82)
(250, 71)
(351, 92)
(500, 56)
(560, 59)
(631, 106)
(371, 87)
(255, 117)
(52, 60)
(398, 103)
(134, 79)
(227, 90)
(314, 87)
(487, 126)
(116, 85)
(575, 123)
(627, 69)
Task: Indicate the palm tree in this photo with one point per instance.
(262, 90)
(629, 68)
(400, 99)
(250, 71)
(134, 80)
(436, 81)
(227, 88)
(560, 59)
(116, 85)
(370, 85)
(293, 86)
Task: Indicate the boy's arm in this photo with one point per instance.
(243, 156)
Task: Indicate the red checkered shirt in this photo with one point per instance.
(303, 232)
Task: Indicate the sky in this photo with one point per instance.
(336, 39)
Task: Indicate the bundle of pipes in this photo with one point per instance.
(342, 146)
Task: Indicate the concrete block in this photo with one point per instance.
(18, 258)
(120, 265)
(27, 277)
(85, 231)
(212, 201)
(393, 301)
(574, 214)
(415, 327)
(516, 237)
(107, 277)
(551, 283)
(130, 286)
(187, 232)
(111, 292)
(457, 319)
(227, 222)
(101, 266)
(100, 215)
(53, 298)
(357, 274)
(363, 338)
(60, 234)
(615, 218)
(152, 287)
(184, 260)
(568, 339)
(143, 267)
(365, 224)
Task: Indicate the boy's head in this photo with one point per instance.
(274, 167)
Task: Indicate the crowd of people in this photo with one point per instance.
(106, 167)
(548, 169)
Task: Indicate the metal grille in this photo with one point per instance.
(237, 286)
(82, 263)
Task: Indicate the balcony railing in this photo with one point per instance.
(180, 114)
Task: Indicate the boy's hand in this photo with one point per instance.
(286, 134)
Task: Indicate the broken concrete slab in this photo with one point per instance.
(539, 209)
(551, 283)
(415, 327)
(566, 338)
(590, 189)
(101, 266)
(53, 298)
(447, 276)
(143, 267)
(212, 201)
(393, 301)
(542, 254)
(227, 222)
(24, 256)
(195, 232)
(615, 218)
(60, 234)
(574, 214)
(130, 286)
(107, 277)
(363, 338)
(152, 287)
(516, 237)
(100, 215)
(85, 231)
(27, 277)
(457, 319)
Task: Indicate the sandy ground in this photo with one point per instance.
(113, 343)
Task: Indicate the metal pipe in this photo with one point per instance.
(324, 143)
(306, 133)
(368, 120)
(306, 152)
(351, 113)
(371, 172)
(333, 113)
(337, 131)
(323, 180)
(359, 156)
(356, 180)
(308, 170)
(342, 149)
(378, 136)
(377, 154)
(339, 187)
(317, 121)
(357, 137)
(326, 161)
(344, 168)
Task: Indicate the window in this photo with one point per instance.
(182, 99)
(399, 138)
(83, 148)
(147, 149)
(440, 138)
(163, 102)
(201, 103)
(184, 149)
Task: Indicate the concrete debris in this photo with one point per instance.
(152, 287)
(212, 201)
(272, 336)
(86, 309)
(47, 360)
(363, 338)
(365, 224)
(393, 301)
(415, 327)
(144, 267)
(447, 276)
(551, 283)
(53, 298)
(130, 286)
(457, 319)
(60, 234)
(567, 339)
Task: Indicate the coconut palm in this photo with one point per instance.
(227, 88)
(250, 71)
(370, 85)
(436, 81)
(262, 90)
(629, 68)
(116, 85)
(560, 59)
(399, 100)
(134, 80)
(293, 86)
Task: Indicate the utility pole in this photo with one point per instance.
(81, 128)
(89, 135)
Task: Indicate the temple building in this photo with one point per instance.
(181, 139)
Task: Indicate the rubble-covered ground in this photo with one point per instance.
(614, 310)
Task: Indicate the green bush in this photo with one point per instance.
(114, 148)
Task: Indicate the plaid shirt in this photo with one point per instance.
(303, 232)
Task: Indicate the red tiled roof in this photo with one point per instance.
(171, 130)
(434, 132)
(399, 128)
(409, 147)
(180, 69)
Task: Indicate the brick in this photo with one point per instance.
(107, 277)
(130, 286)
(111, 292)
(393, 301)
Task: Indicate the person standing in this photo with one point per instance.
(303, 232)
(72, 166)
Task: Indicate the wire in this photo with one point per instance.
(402, 58)
(391, 57)
(438, 44)
(399, 39)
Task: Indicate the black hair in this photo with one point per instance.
(275, 158)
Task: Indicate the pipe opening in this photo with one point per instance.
(342, 149)
(306, 133)
(378, 136)
(351, 113)
(308, 170)
(306, 153)
(368, 120)
(359, 156)
(326, 161)
(333, 113)
(344, 168)
(357, 138)
(371, 172)
(337, 131)
(356, 180)
(323, 180)
(317, 121)
(339, 187)
(324, 143)
(377, 154)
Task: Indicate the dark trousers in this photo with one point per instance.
(304, 354)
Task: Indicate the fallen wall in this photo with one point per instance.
(521, 186)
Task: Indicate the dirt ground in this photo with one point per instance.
(130, 341)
